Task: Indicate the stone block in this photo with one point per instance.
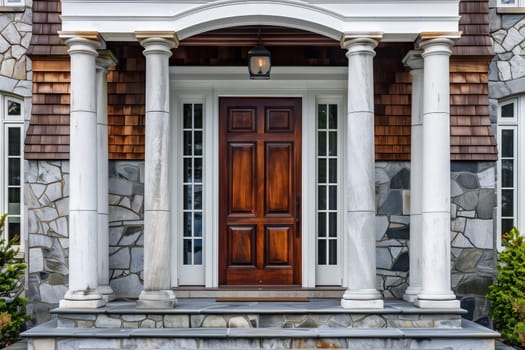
(120, 187)
(383, 258)
(137, 260)
(48, 173)
(402, 232)
(117, 213)
(133, 318)
(401, 180)
(127, 286)
(52, 294)
(468, 260)
(381, 226)
(480, 233)
(509, 21)
(401, 263)
(176, 321)
(239, 322)
(393, 204)
(504, 70)
(120, 259)
(36, 260)
(214, 321)
(474, 285)
(104, 321)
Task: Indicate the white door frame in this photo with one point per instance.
(205, 85)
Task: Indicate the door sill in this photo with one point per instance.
(330, 292)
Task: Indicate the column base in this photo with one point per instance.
(437, 304)
(157, 299)
(411, 294)
(107, 293)
(81, 304)
(82, 299)
(362, 304)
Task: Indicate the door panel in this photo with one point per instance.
(278, 178)
(242, 241)
(242, 169)
(260, 189)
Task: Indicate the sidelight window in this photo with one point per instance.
(327, 184)
(192, 183)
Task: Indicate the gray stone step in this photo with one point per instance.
(207, 313)
(469, 337)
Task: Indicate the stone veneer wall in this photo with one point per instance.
(507, 69)
(15, 66)
(473, 197)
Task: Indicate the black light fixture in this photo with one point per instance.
(259, 61)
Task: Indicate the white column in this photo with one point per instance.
(360, 176)
(83, 291)
(414, 61)
(104, 60)
(157, 291)
(435, 252)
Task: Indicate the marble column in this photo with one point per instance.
(436, 290)
(157, 291)
(414, 61)
(83, 279)
(360, 268)
(103, 61)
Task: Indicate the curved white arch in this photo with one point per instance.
(283, 13)
(399, 20)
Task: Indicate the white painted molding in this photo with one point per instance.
(399, 20)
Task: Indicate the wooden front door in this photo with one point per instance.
(260, 191)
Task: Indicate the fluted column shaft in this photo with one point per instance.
(360, 177)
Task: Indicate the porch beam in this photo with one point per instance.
(360, 264)
(157, 291)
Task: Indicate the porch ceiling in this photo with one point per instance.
(270, 36)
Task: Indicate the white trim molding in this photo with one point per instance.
(205, 85)
(399, 20)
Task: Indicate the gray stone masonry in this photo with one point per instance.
(472, 235)
(15, 35)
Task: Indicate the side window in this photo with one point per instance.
(510, 203)
(511, 3)
(12, 174)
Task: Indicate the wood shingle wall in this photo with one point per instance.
(471, 139)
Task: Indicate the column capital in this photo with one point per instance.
(157, 41)
(364, 38)
(106, 59)
(83, 42)
(437, 43)
(413, 59)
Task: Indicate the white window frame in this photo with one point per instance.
(6, 123)
(332, 274)
(517, 7)
(12, 4)
(516, 124)
(208, 84)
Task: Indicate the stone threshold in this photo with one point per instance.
(260, 292)
(469, 330)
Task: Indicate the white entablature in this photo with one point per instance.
(398, 20)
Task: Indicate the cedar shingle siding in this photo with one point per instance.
(471, 139)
